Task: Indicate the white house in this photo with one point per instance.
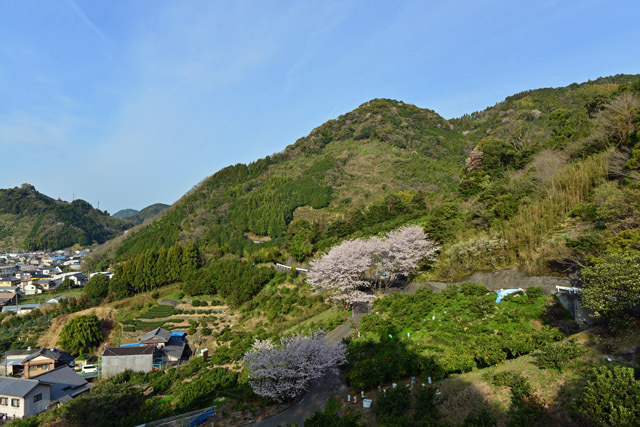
(21, 398)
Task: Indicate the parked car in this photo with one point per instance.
(88, 369)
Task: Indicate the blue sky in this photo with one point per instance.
(128, 103)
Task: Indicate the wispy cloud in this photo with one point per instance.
(25, 129)
(89, 23)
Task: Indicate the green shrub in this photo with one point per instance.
(611, 397)
(324, 419)
(391, 406)
(557, 355)
(519, 385)
(534, 292)
(426, 411)
(483, 418)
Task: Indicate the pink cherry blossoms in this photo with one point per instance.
(284, 371)
(349, 269)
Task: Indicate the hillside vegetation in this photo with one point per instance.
(545, 181)
(532, 162)
(322, 188)
(31, 220)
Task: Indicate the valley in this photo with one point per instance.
(391, 226)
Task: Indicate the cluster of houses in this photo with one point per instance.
(155, 350)
(23, 274)
(34, 381)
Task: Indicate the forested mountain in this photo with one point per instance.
(376, 165)
(124, 213)
(31, 220)
(138, 217)
(532, 161)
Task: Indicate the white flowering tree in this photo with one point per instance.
(341, 273)
(282, 372)
(401, 252)
(346, 271)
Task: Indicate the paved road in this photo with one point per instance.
(318, 394)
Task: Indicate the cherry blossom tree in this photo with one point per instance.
(349, 269)
(284, 371)
(342, 271)
(400, 253)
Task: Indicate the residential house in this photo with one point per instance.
(44, 360)
(76, 278)
(30, 288)
(20, 398)
(8, 298)
(176, 349)
(20, 309)
(52, 271)
(116, 360)
(158, 337)
(8, 271)
(56, 300)
(12, 362)
(10, 282)
(65, 383)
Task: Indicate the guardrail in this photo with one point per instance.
(568, 289)
(287, 268)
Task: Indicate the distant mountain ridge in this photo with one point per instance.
(33, 221)
(125, 213)
(138, 217)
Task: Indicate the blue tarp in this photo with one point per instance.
(504, 292)
(202, 417)
(135, 344)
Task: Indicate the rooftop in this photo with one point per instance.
(158, 335)
(65, 383)
(128, 351)
(17, 387)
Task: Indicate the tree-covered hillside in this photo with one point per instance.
(367, 170)
(30, 220)
(500, 187)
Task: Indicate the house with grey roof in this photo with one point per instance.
(158, 337)
(20, 308)
(20, 398)
(45, 360)
(65, 383)
(175, 350)
(11, 364)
